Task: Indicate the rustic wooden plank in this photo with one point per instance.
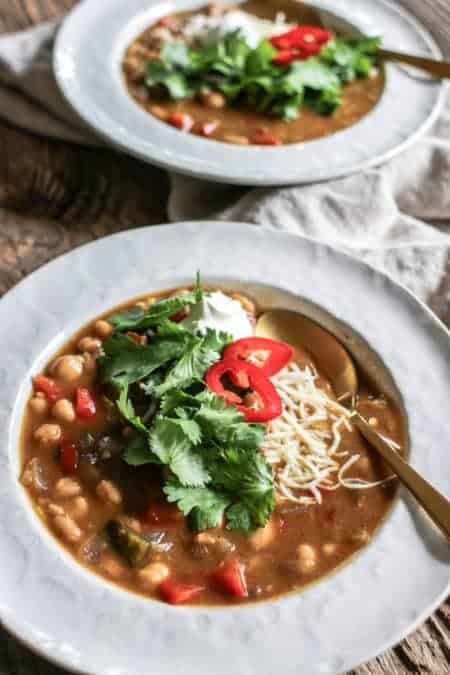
(55, 196)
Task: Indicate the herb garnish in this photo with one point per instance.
(214, 469)
(249, 77)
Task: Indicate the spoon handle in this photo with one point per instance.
(432, 66)
(435, 504)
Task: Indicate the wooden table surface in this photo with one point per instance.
(55, 196)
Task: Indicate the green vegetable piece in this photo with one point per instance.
(128, 543)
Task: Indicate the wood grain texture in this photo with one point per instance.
(55, 196)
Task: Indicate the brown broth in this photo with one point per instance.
(346, 520)
(239, 126)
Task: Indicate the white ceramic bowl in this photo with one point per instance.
(87, 61)
(81, 621)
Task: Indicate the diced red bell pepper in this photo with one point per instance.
(181, 121)
(167, 21)
(48, 387)
(85, 406)
(68, 457)
(280, 353)
(230, 576)
(137, 337)
(265, 137)
(270, 399)
(177, 592)
(162, 514)
(179, 316)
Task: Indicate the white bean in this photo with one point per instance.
(64, 411)
(67, 487)
(48, 435)
(109, 492)
(306, 558)
(152, 575)
(68, 528)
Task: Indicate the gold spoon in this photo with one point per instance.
(307, 14)
(338, 367)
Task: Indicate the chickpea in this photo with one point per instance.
(89, 344)
(79, 508)
(90, 363)
(329, 548)
(236, 140)
(360, 536)
(159, 112)
(263, 536)
(363, 464)
(38, 404)
(64, 411)
(67, 487)
(213, 99)
(112, 567)
(306, 558)
(247, 304)
(55, 509)
(30, 475)
(67, 528)
(48, 435)
(68, 368)
(109, 492)
(180, 291)
(152, 575)
(103, 328)
(219, 542)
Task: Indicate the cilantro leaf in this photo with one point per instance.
(195, 362)
(124, 361)
(126, 408)
(137, 452)
(239, 518)
(172, 441)
(138, 318)
(205, 506)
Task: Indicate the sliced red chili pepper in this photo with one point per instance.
(265, 137)
(300, 36)
(48, 387)
(181, 121)
(285, 57)
(160, 513)
(177, 592)
(84, 403)
(68, 457)
(230, 576)
(270, 399)
(280, 353)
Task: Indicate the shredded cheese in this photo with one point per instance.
(303, 445)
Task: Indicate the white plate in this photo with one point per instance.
(87, 62)
(82, 622)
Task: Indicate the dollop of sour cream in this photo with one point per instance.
(218, 311)
(202, 28)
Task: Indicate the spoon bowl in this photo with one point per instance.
(299, 331)
(337, 365)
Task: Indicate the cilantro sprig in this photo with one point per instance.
(248, 77)
(213, 468)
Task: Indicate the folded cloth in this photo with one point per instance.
(396, 217)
